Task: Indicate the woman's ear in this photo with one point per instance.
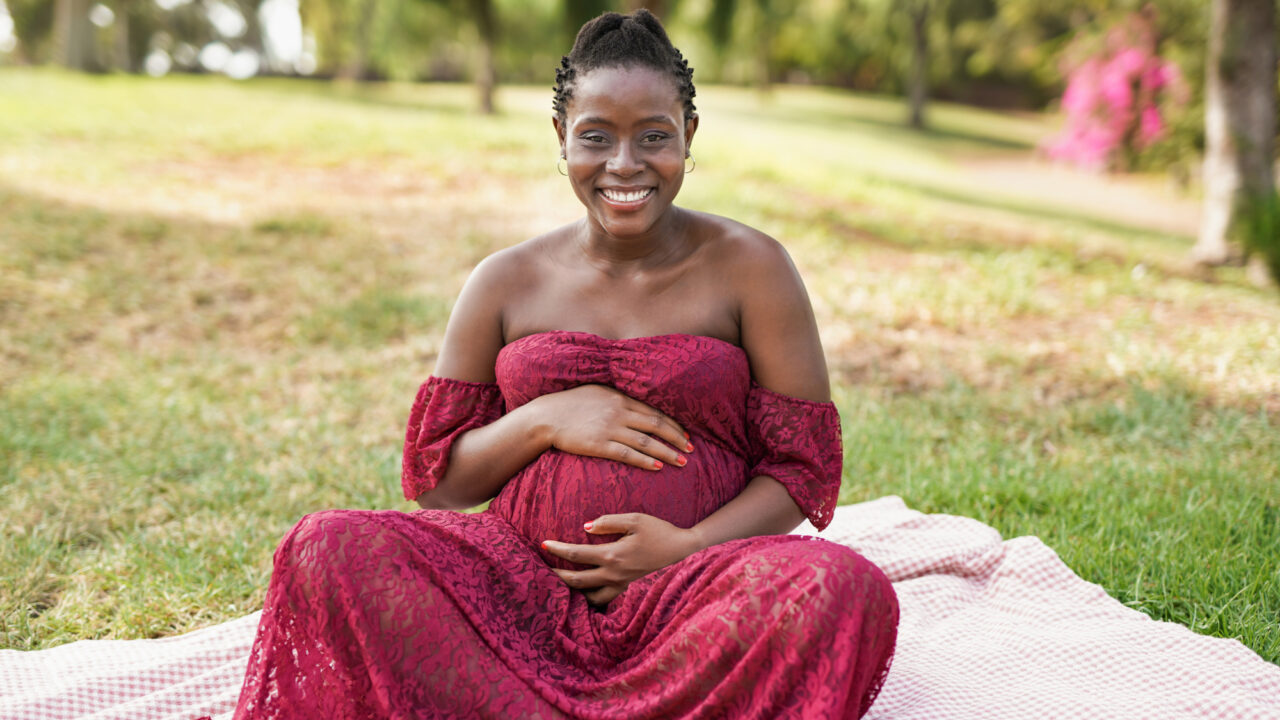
(555, 121)
(690, 127)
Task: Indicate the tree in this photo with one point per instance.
(578, 12)
(657, 7)
(73, 35)
(763, 18)
(33, 23)
(918, 86)
(1240, 205)
(487, 73)
(357, 63)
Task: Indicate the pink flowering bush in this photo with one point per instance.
(1114, 97)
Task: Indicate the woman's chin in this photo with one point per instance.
(631, 224)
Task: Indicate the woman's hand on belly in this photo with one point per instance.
(647, 544)
(599, 421)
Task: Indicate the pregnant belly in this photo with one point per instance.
(552, 497)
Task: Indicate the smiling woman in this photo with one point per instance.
(643, 398)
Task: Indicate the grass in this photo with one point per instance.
(217, 301)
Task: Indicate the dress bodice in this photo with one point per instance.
(701, 381)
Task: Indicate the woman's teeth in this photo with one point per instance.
(633, 196)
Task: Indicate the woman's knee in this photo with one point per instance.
(317, 536)
(840, 577)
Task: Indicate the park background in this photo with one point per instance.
(218, 296)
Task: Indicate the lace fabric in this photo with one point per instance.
(437, 614)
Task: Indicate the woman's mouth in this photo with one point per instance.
(626, 199)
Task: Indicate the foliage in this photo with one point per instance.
(1262, 231)
(33, 24)
(1114, 97)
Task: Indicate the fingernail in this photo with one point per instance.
(688, 447)
(544, 544)
(587, 525)
(657, 464)
(686, 436)
(681, 460)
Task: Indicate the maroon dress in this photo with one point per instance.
(438, 614)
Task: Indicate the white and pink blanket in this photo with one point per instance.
(991, 630)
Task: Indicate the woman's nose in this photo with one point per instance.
(625, 161)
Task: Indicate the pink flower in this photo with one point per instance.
(1151, 127)
(1112, 98)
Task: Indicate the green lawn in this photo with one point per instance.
(217, 301)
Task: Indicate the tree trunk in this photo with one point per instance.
(578, 12)
(487, 72)
(357, 65)
(919, 88)
(763, 48)
(1240, 121)
(73, 35)
(121, 56)
(657, 7)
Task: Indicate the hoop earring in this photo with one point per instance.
(687, 168)
(563, 170)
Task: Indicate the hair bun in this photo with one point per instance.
(615, 40)
(650, 22)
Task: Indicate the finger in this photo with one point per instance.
(580, 554)
(623, 523)
(622, 452)
(654, 422)
(652, 447)
(583, 579)
(604, 595)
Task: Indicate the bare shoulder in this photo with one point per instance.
(510, 270)
(775, 318)
(476, 329)
(748, 255)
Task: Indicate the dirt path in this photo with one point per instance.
(1145, 202)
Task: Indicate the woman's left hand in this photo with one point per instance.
(647, 544)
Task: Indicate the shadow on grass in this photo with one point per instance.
(176, 284)
(396, 96)
(895, 131)
(1040, 212)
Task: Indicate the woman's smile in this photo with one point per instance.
(627, 199)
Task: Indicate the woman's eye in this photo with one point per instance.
(594, 138)
(654, 137)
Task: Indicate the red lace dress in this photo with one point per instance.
(438, 614)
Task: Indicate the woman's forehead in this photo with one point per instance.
(625, 93)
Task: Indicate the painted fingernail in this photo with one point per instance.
(688, 447)
(586, 525)
(657, 464)
(544, 544)
(686, 436)
(681, 460)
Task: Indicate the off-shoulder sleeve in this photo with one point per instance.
(443, 410)
(797, 443)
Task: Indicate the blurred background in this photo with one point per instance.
(1129, 77)
(1039, 235)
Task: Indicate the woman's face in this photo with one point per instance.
(624, 138)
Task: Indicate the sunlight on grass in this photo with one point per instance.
(217, 301)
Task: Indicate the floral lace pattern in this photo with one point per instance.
(436, 614)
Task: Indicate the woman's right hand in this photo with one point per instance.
(599, 421)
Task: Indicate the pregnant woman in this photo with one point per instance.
(643, 397)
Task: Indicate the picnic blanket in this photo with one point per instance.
(992, 629)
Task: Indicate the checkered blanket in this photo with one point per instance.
(991, 630)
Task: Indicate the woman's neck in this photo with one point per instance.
(618, 255)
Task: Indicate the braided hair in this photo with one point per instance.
(614, 40)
